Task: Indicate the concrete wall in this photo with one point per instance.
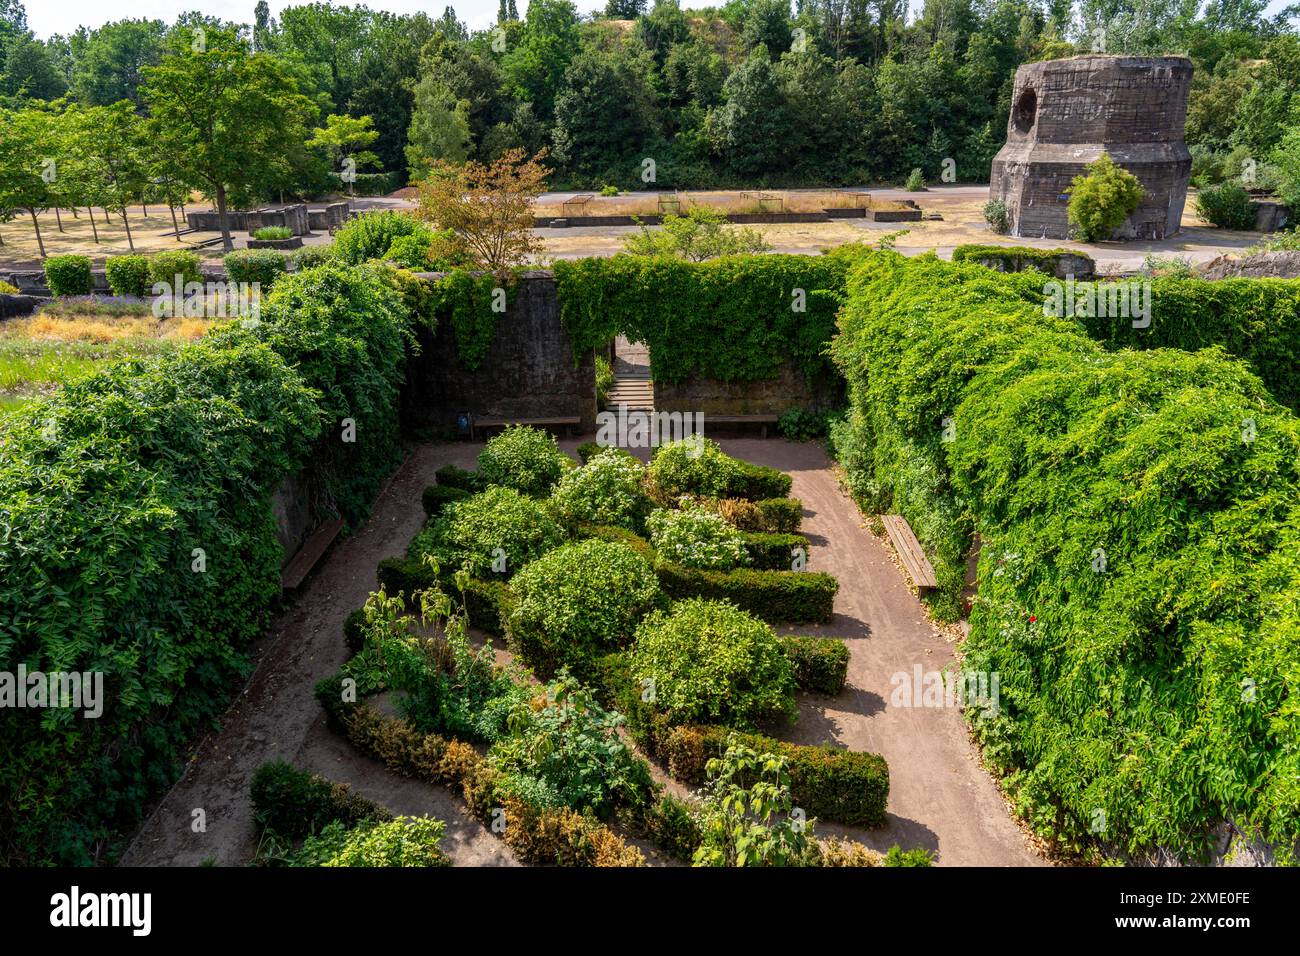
(530, 371)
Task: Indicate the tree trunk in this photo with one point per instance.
(130, 243)
(176, 229)
(144, 208)
(40, 242)
(224, 219)
(58, 218)
(107, 221)
(93, 228)
(75, 214)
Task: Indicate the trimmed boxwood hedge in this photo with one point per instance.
(1139, 518)
(295, 803)
(774, 552)
(141, 542)
(821, 664)
(842, 786)
(68, 275)
(437, 497)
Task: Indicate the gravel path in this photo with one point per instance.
(940, 798)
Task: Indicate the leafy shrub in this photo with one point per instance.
(673, 825)
(1227, 206)
(997, 216)
(405, 841)
(696, 538)
(606, 490)
(499, 523)
(1173, 447)
(436, 497)
(747, 818)
(294, 802)
(128, 275)
(411, 252)
(354, 635)
(802, 424)
(68, 275)
(842, 786)
(604, 381)
(699, 466)
(525, 459)
(8, 288)
(309, 257)
(915, 181)
(707, 660)
(565, 751)
(821, 664)
(776, 552)
(769, 515)
(1102, 198)
(918, 856)
(371, 235)
(164, 267)
(578, 601)
(608, 190)
(803, 597)
(262, 266)
(453, 476)
(699, 235)
(273, 233)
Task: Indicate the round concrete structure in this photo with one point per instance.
(1066, 113)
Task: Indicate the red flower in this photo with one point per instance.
(1033, 619)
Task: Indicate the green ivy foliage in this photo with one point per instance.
(139, 540)
(732, 319)
(1139, 521)
(465, 299)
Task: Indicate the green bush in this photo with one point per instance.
(353, 629)
(696, 538)
(128, 275)
(775, 552)
(453, 476)
(309, 257)
(1129, 611)
(607, 490)
(494, 527)
(150, 551)
(406, 841)
(577, 602)
(567, 752)
(371, 235)
(708, 660)
(273, 233)
(767, 516)
(164, 267)
(525, 459)
(802, 424)
(68, 275)
(673, 825)
(841, 786)
(261, 266)
(915, 181)
(699, 466)
(1102, 198)
(1227, 206)
(294, 803)
(997, 216)
(436, 497)
(821, 664)
(799, 597)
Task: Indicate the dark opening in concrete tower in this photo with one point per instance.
(1066, 113)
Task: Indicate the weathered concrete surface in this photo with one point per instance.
(788, 389)
(1066, 113)
(1261, 265)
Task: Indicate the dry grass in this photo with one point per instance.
(723, 201)
(93, 328)
(150, 233)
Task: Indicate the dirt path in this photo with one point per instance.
(276, 716)
(940, 798)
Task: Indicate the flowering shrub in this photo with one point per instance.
(710, 662)
(579, 601)
(523, 458)
(696, 538)
(698, 466)
(605, 491)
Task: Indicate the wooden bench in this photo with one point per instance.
(565, 422)
(910, 552)
(763, 420)
(296, 571)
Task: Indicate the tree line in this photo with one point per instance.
(752, 93)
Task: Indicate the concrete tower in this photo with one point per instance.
(1066, 113)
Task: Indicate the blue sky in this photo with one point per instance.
(64, 16)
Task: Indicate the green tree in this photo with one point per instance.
(750, 128)
(663, 28)
(604, 114)
(767, 24)
(28, 142)
(533, 66)
(343, 140)
(227, 116)
(110, 62)
(699, 235)
(439, 129)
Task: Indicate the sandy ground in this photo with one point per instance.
(960, 207)
(940, 798)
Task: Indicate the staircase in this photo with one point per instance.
(632, 385)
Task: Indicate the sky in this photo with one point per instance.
(47, 17)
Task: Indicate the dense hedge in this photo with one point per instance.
(842, 786)
(68, 275)
(140, 542)
(732, 319)
(1139, 517)
(1015, 258)
(821, 664)
(295, 803)
(774, 552)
